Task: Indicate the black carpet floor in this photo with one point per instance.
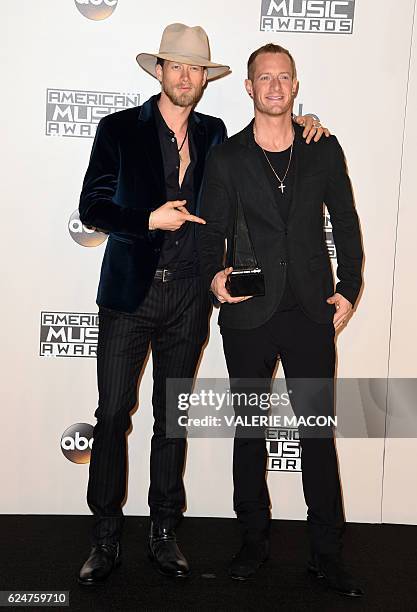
(45, 553)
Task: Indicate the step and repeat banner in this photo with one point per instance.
(69, 63)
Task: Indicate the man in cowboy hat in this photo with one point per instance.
(141, 187)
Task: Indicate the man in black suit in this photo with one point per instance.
(281, 184)
(141, 187)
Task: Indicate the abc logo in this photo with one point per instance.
(76, 442)
(81, 234)
(96, 9)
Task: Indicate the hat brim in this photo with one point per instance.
(147, 61)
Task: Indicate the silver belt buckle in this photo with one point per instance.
(163, 275)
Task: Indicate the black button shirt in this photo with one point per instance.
(178, 249)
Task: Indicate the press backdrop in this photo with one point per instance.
(68, 63)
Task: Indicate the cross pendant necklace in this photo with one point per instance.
(281, 185)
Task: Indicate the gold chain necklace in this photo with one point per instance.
(281, 181)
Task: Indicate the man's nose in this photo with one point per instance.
(276, 83)
(185, 73)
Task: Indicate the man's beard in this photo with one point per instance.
(187, 98)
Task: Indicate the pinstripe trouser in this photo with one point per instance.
(173, 320)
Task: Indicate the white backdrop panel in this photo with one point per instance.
(400, 493)
(355, 83)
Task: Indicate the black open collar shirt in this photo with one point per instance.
(178, 249)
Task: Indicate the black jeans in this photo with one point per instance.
(307, 351)
(173, 320)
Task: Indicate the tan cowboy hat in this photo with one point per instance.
(186, 45)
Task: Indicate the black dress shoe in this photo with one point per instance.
(249, 559)
(99, 565)
(165, 554)
(331, 569)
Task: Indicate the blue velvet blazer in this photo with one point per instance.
(124, 182)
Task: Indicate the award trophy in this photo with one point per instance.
(247, 277)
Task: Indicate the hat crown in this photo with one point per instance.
(180, 39)
(184, 45)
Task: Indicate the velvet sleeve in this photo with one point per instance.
(97, 207)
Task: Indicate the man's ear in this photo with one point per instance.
(295, 87)
(248, 87)
(158, 72)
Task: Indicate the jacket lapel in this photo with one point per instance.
(299, 163)
(199, 135)
(149, 143)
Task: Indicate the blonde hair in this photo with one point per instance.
(270, 48)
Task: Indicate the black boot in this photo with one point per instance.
(331, 569)
(165, 554)
(249, 559)
(99, 565)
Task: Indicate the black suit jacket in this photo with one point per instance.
(124, 182)
(297, 248)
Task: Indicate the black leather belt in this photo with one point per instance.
(168, 275)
